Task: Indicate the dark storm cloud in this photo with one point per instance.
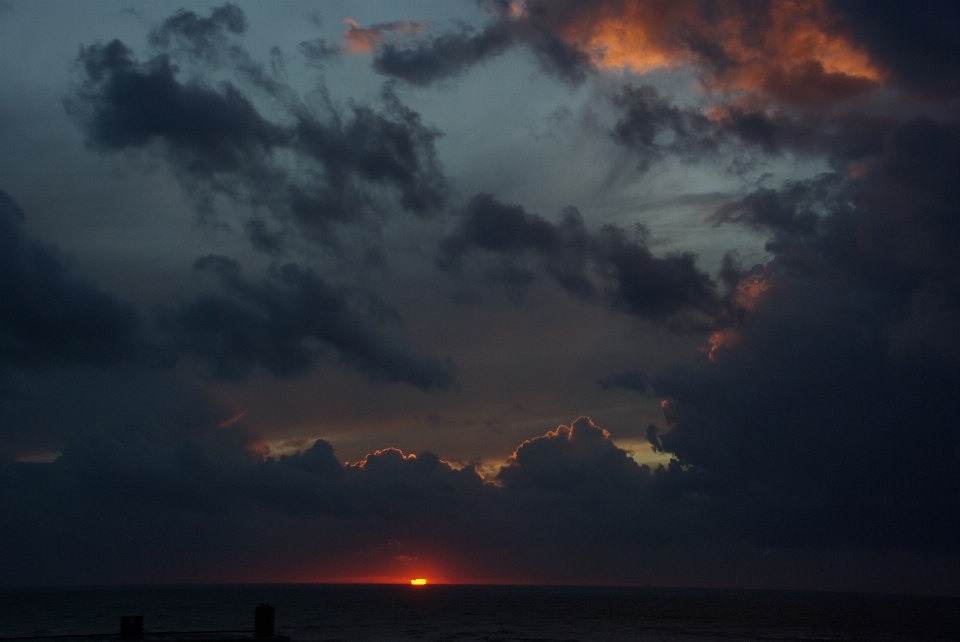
(830, 388)
(50, 313)
(286, 324)
(823, 411)
(315, 170)
(123, 104)
(611, 265)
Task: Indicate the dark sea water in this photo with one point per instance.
(359, 613)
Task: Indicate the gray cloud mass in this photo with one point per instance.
(608, 266)
(50, 313)
(285, 324)
(313, 174)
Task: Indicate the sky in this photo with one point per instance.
(550, 292)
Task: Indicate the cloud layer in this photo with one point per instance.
(387, 497)
(807, 407)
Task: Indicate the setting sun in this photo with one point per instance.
(418, 582)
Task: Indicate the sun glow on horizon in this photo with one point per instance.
(418, 582)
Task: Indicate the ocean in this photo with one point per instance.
(388, 613)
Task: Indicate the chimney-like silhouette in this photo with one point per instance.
(263, 622)
(131, 627)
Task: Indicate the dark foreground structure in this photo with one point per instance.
(131, 628)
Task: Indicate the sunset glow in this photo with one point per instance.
(419, 582)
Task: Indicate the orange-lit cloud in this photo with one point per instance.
(581, 430)
(858, 170)
(749, 291)
(385, 454)
(359, 39)
(743, 305)
(259, 447)
(785, 49)
(366, 39)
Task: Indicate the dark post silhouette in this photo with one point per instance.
(131, 627)
(263, 622)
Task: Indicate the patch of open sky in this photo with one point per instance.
(672, 200)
